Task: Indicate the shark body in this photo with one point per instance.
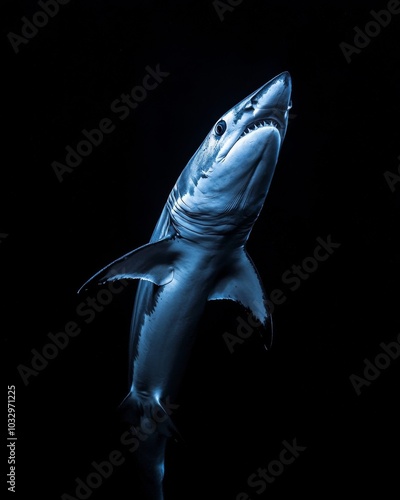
(197, 253)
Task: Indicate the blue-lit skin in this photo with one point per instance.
(197, 253)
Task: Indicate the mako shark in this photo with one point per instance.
(197, 253)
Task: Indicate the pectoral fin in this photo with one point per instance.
(152, 262)
(241, 283)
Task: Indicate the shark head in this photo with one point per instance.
(227, 180)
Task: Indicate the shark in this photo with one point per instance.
(197, 253)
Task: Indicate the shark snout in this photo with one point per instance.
(275, 94)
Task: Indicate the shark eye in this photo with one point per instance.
(220, 127)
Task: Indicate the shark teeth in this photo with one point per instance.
(259, 124)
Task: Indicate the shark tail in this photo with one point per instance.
(150, 423)
(148, 414)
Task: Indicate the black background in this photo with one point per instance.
(235, 409)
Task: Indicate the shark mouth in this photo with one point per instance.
(259, 124)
